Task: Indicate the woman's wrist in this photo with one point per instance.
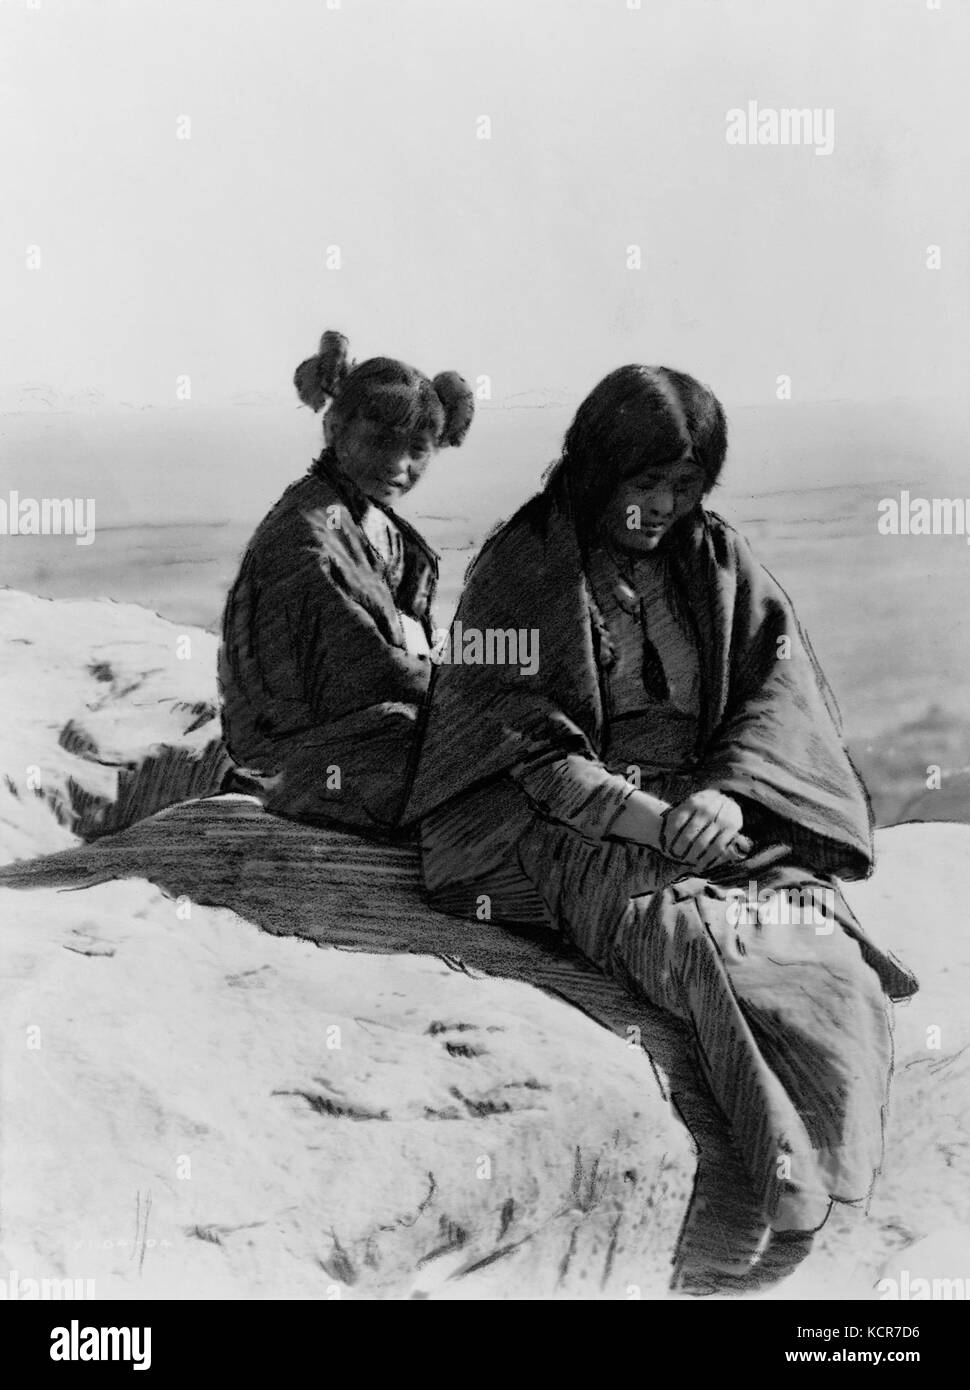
(641, 820)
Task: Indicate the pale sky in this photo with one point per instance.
(356, 126)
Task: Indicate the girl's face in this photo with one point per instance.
(647, 505)
(384, 465)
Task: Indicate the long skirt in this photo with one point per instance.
(785, 997)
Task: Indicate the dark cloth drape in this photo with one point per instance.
(789, 1019)
(319, 692)
(769, 727)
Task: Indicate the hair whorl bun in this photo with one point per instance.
(319, 378)
(455, 394)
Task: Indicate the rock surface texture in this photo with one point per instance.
(240, 1059)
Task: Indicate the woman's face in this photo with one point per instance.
(383, 465)
(645, 506)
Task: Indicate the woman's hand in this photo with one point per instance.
(702, 829)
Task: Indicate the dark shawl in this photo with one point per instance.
(770, 731)
(313, 666)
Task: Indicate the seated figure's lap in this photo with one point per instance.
(608, 898)
(605, 897)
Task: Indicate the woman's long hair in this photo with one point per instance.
(636, 418)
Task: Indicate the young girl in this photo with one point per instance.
(325, 656)
(677, 714)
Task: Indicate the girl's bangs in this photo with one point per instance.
(402, 411)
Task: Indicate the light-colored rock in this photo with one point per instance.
(176, 1119)
(110, 712)
(205, 989)
(934, 1268)
(462, 1119)
(194, 1108)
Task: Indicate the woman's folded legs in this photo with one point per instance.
(790, 1023)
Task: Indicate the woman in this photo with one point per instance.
(325, 656)
(677, 714)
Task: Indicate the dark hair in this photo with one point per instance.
(638, 417)
(385, 391)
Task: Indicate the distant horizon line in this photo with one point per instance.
(180, 525)
(74, 404)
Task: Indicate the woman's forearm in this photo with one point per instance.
(641, 820)
(576, 791)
